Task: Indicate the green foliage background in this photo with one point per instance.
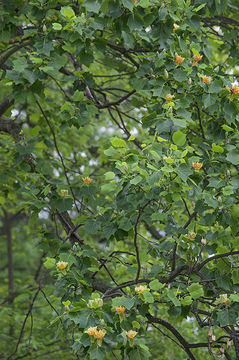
(83, 87)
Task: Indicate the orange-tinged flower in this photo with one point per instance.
(99, 334)
(235, 89)
(179, 59)
(140, 289)
(87, 180)
(206, 79)
(197, 166)
(135, 1)
(168, 97)
(175, 27)
(91, 331)
(62, 265)
(197, 58)
(225, 301)
(120, 309)
(131, 334)
(191, 235)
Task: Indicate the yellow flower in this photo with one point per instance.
(131, 334)
(235, 89)
(120, 309)
(95, 303)
(179, 59)
(197, 166)
(99, 334)
(196, 59)
(91, 331)
(64, 192)
(206, 79)
(175, 27)
(87, 180)
(168, 97)
(140, 289)
(61, 265)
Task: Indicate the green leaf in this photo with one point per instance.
(179, 138)
(148, 297)
(187, 300)
(136, 180)
(235, 276)
(110, 152)
(125, 224)
(117, 142)
(199, 7)
(110, 175)
(217, 148)
(136, 324)
(49, 262)
(57, 26)
(209, 100)
(170, 294)
(97, 354)
(67, 12)
(19, 64)
(234, 297)
(227, 317)
(62, 204)
(128, 4)
(180, 75)
(196, 291)
(215, 86)
(108, 187)
(123, 301)
(233, 157)
(139, 354)
(184, 171)
(156, 285)
(227, 128)
(92, 5)
(144, 3)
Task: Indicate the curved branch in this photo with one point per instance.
(200, 266)
(174, 331)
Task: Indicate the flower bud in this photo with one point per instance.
(165, 74)
(210, 333)
(44, 28)
(203, 241)
(189, 81)
(222, 350)
(228, 343)
(213, 338)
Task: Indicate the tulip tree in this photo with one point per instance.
(119, 179)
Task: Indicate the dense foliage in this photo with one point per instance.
(119, 179)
